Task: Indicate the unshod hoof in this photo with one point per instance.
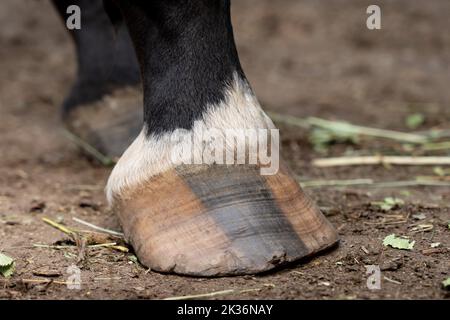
(105, 129)
(221, 220)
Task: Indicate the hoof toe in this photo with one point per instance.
(108, 126)
(222, 220)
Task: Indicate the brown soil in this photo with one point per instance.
(303, 58)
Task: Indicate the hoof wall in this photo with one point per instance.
(222, 220)
(109, 126)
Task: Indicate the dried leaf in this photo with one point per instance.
(398, 243)
(439, 171)
(133, 258)
(389, 203)
(322, 138)
(414, 120)
(7, 266)
(446, 284)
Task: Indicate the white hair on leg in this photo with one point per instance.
(150, 155)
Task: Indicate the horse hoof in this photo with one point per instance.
(107, 127)
(221, 220)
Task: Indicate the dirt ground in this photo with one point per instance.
(303, 58)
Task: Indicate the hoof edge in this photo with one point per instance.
(222, 220)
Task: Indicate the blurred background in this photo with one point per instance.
(303, 58)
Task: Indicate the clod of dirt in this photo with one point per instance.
(37, 206)
(12, 223)
(89, 204)
(419, 216)
(391, 265)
